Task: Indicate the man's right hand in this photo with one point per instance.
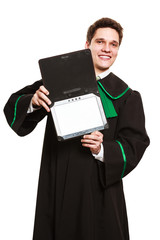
(40, 98)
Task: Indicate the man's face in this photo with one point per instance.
(104, 48)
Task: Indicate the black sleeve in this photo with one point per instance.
(123, 154)
(16, 108)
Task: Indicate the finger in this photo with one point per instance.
(90, 145)
(43, 97)
(44, 105)
(91, 142)
(88, 141)
(44, 90)
(97, 133)
(93, 137)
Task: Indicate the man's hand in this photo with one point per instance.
(40, 98)
(93, 141)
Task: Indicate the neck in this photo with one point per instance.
(103, 74)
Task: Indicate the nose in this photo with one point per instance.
(106, 48)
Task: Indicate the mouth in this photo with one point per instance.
(104, 57)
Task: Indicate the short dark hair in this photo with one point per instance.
(103, 23)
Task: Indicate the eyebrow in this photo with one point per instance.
(115, 41)
(99, 39)
(103, 39)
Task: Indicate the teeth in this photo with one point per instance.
(105, 57)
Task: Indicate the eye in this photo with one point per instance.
(99, 41)
(115, 44)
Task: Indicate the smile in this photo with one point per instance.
(104, 57)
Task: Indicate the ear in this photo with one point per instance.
(87, 44)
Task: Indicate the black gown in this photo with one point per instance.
(79, 197)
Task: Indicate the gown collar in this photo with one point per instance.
(113, 86)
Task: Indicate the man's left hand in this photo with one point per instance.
(93, 141)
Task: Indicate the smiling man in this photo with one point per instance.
(80, 192)
(104, 47)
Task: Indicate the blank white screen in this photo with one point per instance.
(78, 115)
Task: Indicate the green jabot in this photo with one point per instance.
(107, 103)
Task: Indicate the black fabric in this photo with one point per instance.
(114, 85)
(79, 197)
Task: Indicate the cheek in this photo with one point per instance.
(115, 53)
(93, 52)
(94, 49)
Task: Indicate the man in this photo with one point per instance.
(80, 193)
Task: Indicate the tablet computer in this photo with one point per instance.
(76, 105)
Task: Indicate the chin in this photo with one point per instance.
(104, 68)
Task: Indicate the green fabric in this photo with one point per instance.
(124, 158)
(119, 96)
(107, 103)
(15, 111)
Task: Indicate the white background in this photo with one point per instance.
(34, 29)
